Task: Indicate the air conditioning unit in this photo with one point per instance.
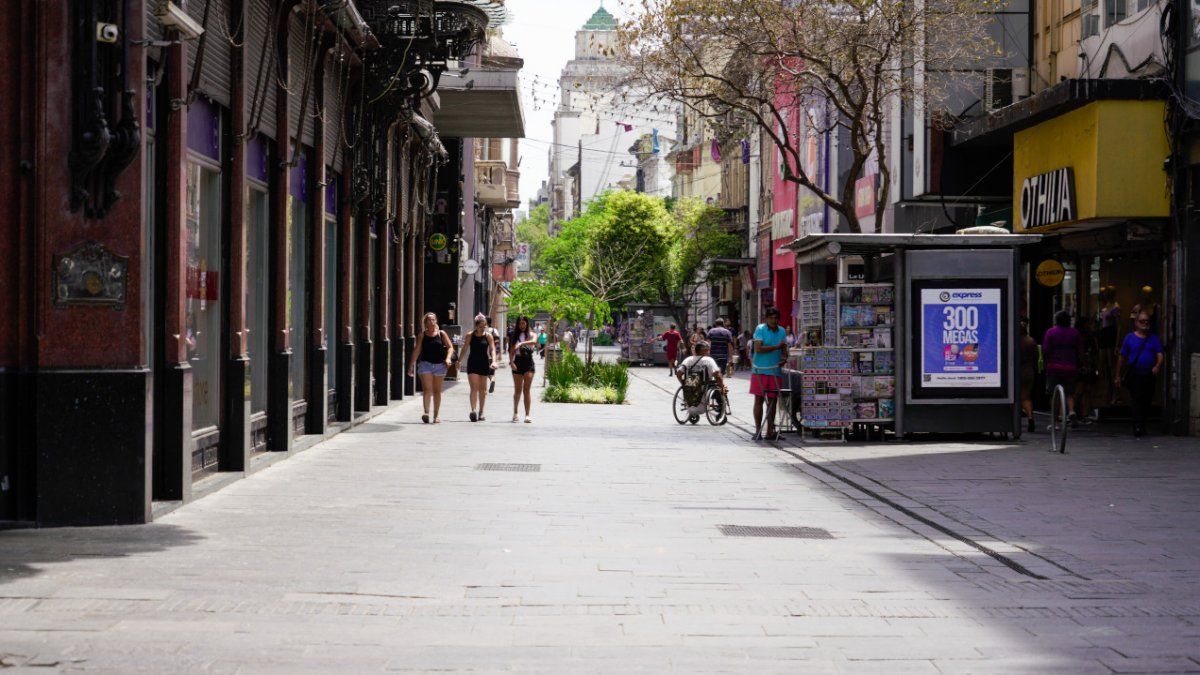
(1004, 86)
(171, 15)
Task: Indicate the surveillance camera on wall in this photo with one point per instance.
(171, 16)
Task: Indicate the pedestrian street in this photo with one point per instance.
(610, 539)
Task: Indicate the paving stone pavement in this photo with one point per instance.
(388, 549)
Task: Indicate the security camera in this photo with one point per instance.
(107, 33)
(172, 16)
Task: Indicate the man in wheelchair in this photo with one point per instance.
(697, 371)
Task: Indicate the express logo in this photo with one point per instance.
(945, 296)
(975, 295)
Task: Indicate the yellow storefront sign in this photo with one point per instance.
(1050, 273)
(1103, 161)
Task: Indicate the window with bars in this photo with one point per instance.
(1089, 11)
(1115, 12)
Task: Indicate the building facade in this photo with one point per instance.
(220, 214)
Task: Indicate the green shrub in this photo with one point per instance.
(570, 380)
(579, 393)
(604, 340)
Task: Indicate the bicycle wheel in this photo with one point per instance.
(1058, 420)
(714, 407)
(680, 407)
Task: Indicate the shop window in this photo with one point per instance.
(258, 294)
(297, 295)
(203, 311)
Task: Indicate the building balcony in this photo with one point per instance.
(491, 183)
(484, 103)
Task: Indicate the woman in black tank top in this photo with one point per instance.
(521, 343)
(479, 352)
(430, 360)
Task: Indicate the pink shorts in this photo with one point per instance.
(765, 385)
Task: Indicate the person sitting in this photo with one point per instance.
(702, 364)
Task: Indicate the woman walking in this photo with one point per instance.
(479, 352)
(521, 343)
(1138, 364)
(430, 360)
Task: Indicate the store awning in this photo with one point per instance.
(815, 249)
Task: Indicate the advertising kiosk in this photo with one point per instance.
(926, 343)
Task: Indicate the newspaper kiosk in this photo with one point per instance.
(907, 333)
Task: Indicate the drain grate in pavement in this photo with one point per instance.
(508, 467)
(771, 531)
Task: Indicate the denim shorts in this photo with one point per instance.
(428, 368)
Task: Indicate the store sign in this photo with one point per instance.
(524, 258)
(1048, 198)
(764, 260)
(1050, 273)
(864, 196)
(961, 338)
(438, 242)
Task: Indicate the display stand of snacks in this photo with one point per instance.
(866, 314)
(826, 378)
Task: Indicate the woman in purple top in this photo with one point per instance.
(1139, 364)
(1062, 349)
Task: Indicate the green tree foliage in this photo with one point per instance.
(535, 231)
(694, 238)
(562, 304)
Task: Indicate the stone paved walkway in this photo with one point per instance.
(387, 548)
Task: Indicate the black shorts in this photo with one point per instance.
(1066, 378)
(484, 369)
(722, 363)
(524, 365)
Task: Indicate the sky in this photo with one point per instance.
(544, 33)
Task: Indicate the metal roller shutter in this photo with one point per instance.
(335, 81)
(301, 52)
(215, 79)
(260, 67)
(153, 29)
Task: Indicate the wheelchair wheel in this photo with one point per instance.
(680, 407)
(715, 408)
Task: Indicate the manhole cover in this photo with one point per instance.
(508, 467)
(780, 532)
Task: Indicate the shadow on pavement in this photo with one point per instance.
(28, 553)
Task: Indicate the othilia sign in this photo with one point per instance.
(1048, 198)
(437, 242)
(1050, 273)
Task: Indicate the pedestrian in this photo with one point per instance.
(521, 343)
(430, 361)
(747, 346)
(719, 339)
(1029, 361)
(671, 340)
(541, 343)
(569, 339)
(497, 347)
(479, 353)
(766, 374)
(1062, 348)
(1138, 364)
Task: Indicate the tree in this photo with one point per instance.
(562, 304)
(535, 232)
(768, 63)
(695, 239)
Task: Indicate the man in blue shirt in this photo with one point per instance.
(766, 374)
(719, 339)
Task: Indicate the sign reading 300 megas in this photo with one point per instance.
(960, 335)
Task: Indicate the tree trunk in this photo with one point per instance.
(591, 329)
